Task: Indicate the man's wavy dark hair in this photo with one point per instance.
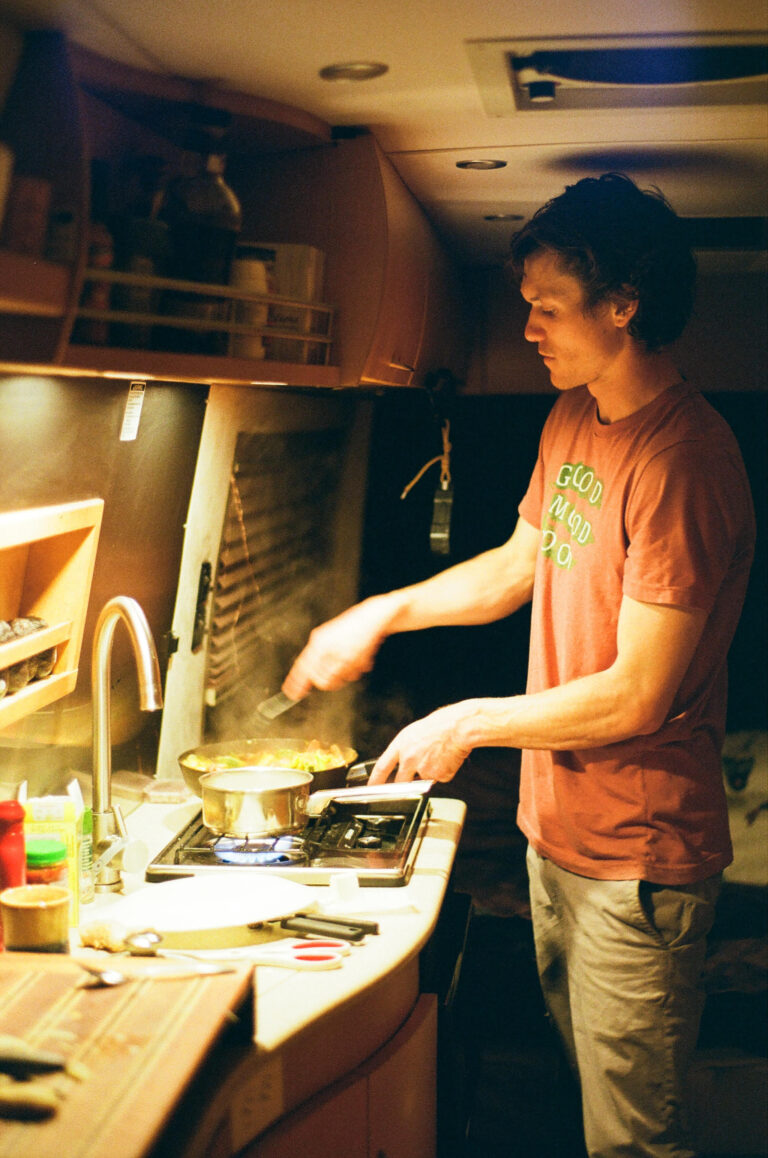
(623, 244)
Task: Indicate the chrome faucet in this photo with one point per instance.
(109, 834)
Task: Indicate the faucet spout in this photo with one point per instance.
(108, 827)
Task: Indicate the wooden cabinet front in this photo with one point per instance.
(393, 357)
(385, 1109)
(385, 271)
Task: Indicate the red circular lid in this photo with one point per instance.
(11, 810)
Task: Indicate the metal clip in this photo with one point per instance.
(440, 530)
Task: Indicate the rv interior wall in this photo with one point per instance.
(60, 441)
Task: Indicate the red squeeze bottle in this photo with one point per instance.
(13, 862)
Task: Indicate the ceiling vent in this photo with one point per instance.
(620, 72)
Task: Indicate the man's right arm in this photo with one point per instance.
(479, 590)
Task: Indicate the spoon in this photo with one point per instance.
(109, 977)
(102, 978)
(147, 944)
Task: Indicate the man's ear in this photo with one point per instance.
(624, 310)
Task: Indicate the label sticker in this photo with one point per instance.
(132, 412)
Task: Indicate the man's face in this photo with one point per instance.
(578, 348)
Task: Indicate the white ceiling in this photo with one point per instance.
(429, 110)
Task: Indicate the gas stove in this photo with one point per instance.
(376, 838)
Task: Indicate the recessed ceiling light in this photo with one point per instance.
(354, 70)
(489, 164)
(541, 92)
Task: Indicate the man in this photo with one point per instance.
(634, 542)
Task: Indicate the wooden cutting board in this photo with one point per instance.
(139, 1045)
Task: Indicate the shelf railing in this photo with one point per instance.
(250, 324)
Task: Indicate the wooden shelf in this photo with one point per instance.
(16, 650)
(38, 694)
(206, 370)
(47, 555)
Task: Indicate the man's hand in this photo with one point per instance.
(341, 650)
(430, 748)
(479, 590)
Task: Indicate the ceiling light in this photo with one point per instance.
(489, 164)
(503, 217)
(354, 70)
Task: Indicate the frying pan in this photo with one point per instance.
(261, 751)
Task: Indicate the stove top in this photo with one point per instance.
(377, 839)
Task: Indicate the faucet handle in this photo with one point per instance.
(123, 853)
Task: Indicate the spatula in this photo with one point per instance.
(275, 705)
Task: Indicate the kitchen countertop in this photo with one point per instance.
(304, 1030)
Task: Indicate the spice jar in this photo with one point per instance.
(47, 861)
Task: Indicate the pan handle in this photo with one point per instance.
(359, 774)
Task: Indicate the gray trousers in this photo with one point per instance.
(620, 965)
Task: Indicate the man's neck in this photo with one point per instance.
(641, 379)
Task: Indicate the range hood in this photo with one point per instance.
(559, 73)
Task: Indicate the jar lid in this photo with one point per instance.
(11, 810)
(251, 251)
(45, 850)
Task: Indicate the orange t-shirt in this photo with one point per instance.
(656, 507)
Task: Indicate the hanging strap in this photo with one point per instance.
(445, 463)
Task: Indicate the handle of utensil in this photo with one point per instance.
(275, 705)
(324, 928)
(348, 922)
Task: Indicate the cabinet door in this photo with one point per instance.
(402, 1085)
(332, 1126)
(394, 353)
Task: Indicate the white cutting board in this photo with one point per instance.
(198, 903)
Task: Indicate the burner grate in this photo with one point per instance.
(377, 840)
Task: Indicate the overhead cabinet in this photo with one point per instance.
(399, 308)
(388, 291)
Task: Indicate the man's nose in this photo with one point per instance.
(533, 331)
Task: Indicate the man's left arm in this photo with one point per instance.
(633, 697)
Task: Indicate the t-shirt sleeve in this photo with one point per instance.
(530, 504)
(683, 520)
(530, 507)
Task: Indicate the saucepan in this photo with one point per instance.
(327, 763)
(255, 802)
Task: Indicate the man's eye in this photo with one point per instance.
(548, 313)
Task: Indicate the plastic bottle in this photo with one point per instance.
(204, 221)
(87, 889)
(12, 853)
